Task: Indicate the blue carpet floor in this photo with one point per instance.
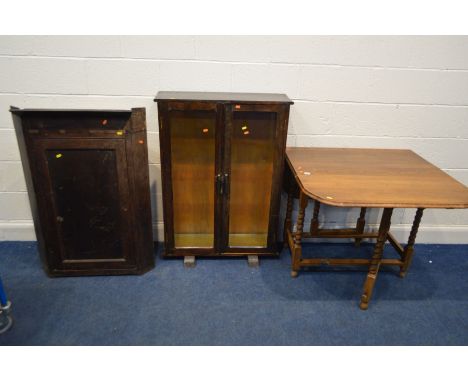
(224, 302)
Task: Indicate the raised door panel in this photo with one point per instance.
(86, 201)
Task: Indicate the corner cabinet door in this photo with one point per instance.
(83, 187)
(254, 146)
(190, 150)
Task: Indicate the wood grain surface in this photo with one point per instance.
(352, 177)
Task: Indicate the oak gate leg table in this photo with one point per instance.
(363, 178)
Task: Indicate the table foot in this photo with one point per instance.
(364, 304)
(294, 274)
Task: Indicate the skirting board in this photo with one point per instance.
(24, 231)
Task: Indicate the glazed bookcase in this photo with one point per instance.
(222, 158)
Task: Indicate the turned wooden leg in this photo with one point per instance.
(409, 248)
(287, 220)
(314, 223)
(297, 250)
(361, 222)
(376, 258)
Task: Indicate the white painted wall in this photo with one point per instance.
(394, 92)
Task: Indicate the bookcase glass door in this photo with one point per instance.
(192, 135)
(253, 138)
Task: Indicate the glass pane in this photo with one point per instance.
(252, 155)
(193, 176)
(84, 184)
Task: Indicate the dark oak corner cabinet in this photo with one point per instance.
(87, 177)
(222, 157)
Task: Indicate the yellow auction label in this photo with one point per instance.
(58, 155)
(120, 132)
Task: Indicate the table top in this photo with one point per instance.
(373, 178)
